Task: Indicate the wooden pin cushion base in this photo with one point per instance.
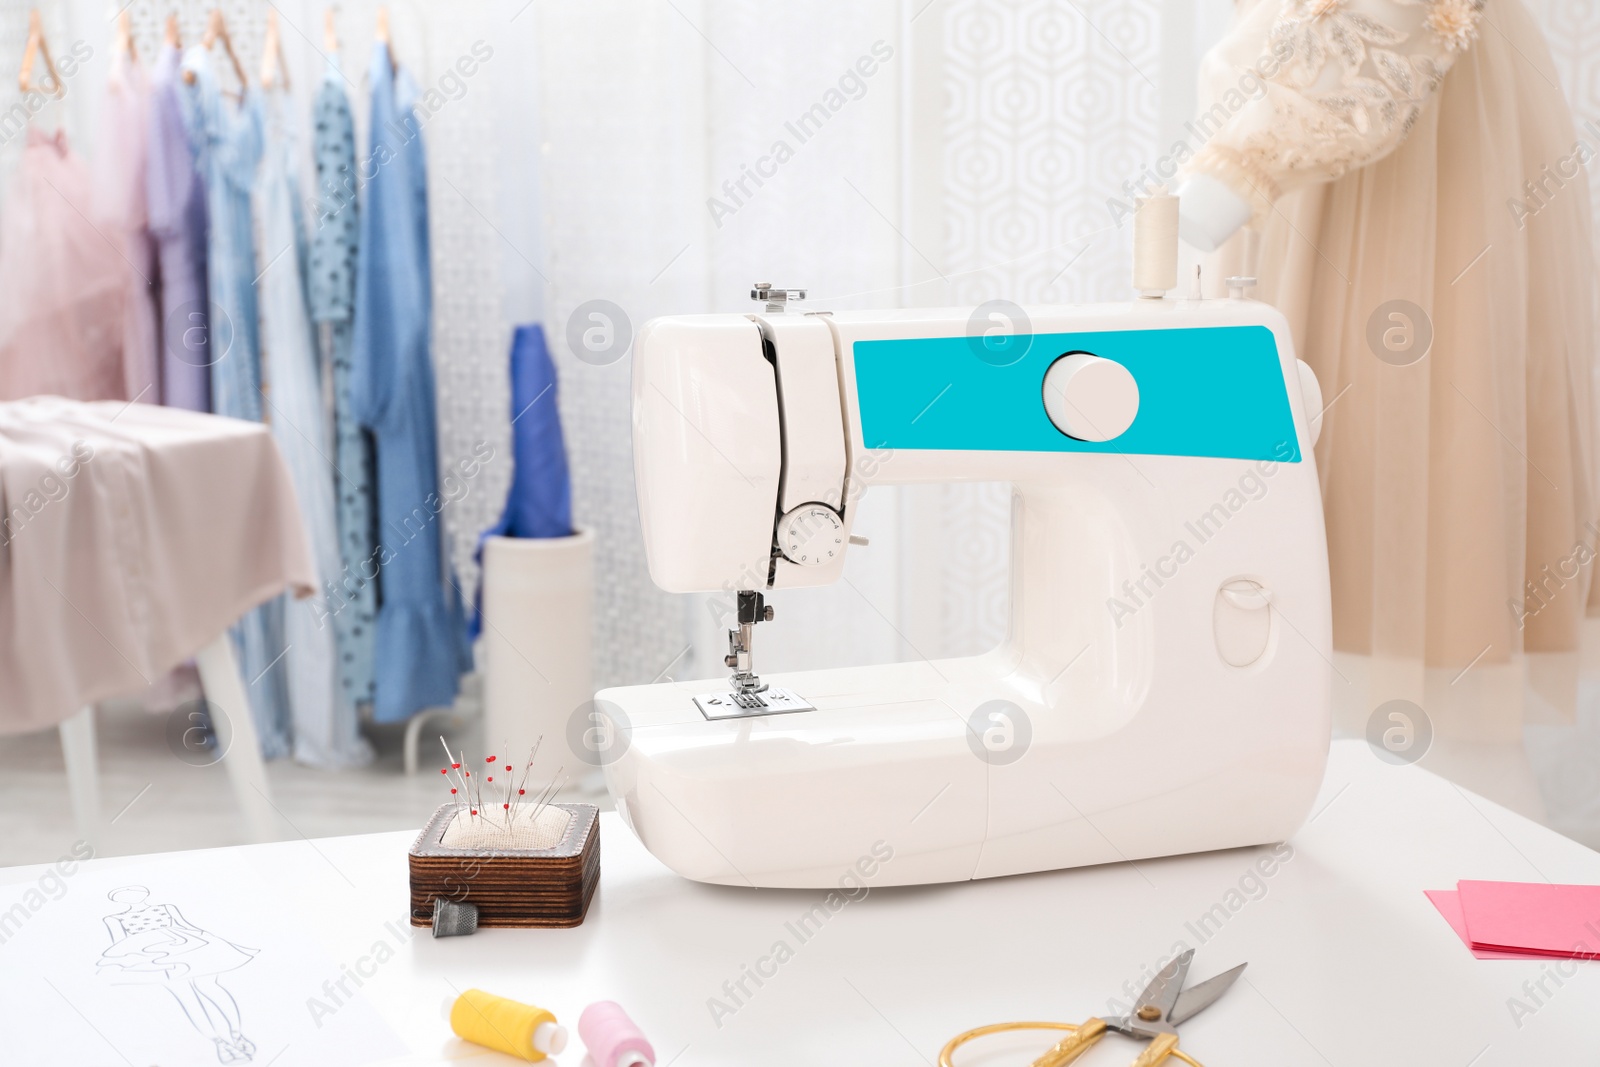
(546, 887)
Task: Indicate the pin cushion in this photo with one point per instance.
(533, 866)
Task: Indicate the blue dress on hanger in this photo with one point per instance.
(326, 731)
(422, 647)
(332, 279)
(227, 143)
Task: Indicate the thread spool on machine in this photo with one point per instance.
(1155, 244)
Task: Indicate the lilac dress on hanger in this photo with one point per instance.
(176, 199)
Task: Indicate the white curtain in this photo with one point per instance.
(647, 110)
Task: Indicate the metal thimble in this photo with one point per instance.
(451, 919)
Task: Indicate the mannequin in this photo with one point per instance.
(1372, 155)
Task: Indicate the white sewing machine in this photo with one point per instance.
(1164, 684)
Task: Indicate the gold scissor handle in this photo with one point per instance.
(1157, 1050)
(1079, 1038)
(1073, 1045)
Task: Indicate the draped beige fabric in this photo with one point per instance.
(130, 537)
(1459, 487)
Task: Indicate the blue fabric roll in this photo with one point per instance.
(539, 503)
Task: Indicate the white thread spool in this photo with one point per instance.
(1155, 244)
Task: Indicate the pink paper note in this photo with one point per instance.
(1546, 920)
(1448, 901)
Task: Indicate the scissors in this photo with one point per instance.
(1155, 1017)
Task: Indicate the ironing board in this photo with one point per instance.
(1348, 963)
(131, 538)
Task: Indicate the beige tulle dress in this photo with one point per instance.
(1414, 169)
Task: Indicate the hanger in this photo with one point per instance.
(274, 66)
(330, 33)
(172, 37)
(382, 34)
(217, 30)
(36, 47)
(124, 39)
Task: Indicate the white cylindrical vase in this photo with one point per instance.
(538, 618)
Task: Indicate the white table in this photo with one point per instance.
(1349, 964)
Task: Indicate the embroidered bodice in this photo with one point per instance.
(1302, 91)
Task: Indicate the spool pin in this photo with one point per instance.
(509, 1026)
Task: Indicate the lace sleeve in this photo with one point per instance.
(1305, 90)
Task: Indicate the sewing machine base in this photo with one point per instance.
(795, 801)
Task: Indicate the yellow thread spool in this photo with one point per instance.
(508, 1026)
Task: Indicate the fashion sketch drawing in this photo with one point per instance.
(153, 944)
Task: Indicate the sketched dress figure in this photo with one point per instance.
(153, 944)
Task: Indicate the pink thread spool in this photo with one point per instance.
(611, 1037)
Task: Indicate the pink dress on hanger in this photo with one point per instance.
(124, 218)
(64, 284)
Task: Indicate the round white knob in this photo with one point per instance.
(811, 535)
(1090, 398)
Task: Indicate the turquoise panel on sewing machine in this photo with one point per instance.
(1206, 391)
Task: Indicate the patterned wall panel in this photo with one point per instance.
(1049, 108)
(622, 149)
(470, 336)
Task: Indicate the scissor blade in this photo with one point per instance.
(1196, 999)
(1163, 990)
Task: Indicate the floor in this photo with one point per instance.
(157, 802)
(1548, 770)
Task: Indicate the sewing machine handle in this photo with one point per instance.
(1073, 1045)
